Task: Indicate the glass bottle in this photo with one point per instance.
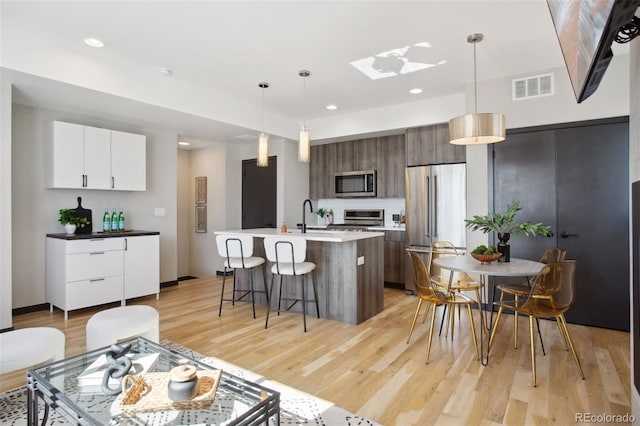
(106, 221)
(114, 221)
(121, 221)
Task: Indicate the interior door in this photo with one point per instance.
(593, 220)
(575, 179)
(259, 191)
(525, 170)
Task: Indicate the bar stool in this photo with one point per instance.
(237, 250)
(288, 255)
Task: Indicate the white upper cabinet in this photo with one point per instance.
(128, 161)
(94, 158)
(96, 149)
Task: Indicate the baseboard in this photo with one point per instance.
(186, 278)
(221, 273)
(168, 283)
(29, 309)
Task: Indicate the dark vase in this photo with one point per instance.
(503, 247)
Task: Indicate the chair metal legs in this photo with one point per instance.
(251, 290)
(304, 280)
(415, 317)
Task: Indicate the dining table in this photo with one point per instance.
(514, 268)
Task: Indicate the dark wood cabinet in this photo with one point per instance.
(394, 253)
(345, 156)
(366, 154)
(322, 167)
(390, 165)
(385, 154)
(430, 145)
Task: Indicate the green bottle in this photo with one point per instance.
(121, 221)
(114, 221)
(106, 221)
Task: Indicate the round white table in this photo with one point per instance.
(514, 268)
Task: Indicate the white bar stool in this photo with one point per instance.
(237, 250)
(289, 254)
(30, 347)
(113, 325)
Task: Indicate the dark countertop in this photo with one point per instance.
(129, 233)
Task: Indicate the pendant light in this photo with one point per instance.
(263, 140)
(476, 128)
(304, 142)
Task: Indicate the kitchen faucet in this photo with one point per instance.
(304, 223)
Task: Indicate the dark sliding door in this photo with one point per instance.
(574, 178)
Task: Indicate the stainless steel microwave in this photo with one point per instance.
(355, 184)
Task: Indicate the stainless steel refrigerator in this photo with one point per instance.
(436, 200)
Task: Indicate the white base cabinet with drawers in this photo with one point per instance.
(88, 272)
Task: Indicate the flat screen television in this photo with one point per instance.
(586, 30)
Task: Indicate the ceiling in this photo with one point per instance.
(218, 52)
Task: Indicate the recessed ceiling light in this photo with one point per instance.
(164, 71)
(93, 42)
(183, 143)
(415, 91)
(331, 107)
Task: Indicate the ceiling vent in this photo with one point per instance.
(532, 87)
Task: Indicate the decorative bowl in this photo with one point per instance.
(486, 259)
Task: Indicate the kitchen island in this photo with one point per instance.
(349, 271)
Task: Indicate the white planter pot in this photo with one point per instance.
(70, 228)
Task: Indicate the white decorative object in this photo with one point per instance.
(70, 228)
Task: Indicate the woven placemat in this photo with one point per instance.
(149, 393)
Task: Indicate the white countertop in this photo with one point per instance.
(387, 228)
(311, 235)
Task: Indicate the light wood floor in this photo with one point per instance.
(370, 369)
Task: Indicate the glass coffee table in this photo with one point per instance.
(237, 401)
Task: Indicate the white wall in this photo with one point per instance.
(35, 209)
(212, 163)
(5, 203)
(185, 212)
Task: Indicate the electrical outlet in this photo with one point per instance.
(160, 211)
(360, 260)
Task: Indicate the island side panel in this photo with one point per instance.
(370, 290)
(337, 279)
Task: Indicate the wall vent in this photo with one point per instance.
(532, 87)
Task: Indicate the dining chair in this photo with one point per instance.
(428, 293)
(237, 251)
(552, 294)
(522, 289)
(442, 278)
(289, 257)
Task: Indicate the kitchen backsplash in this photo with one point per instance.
(391, 206)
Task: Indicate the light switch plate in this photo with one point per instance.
(360, 260)
(160, 211)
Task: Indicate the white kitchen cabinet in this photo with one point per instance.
(83, 273)
(97, 144)
(85, 157)
(77, 157)
(141, 266)
(128, 161)
(94, 271)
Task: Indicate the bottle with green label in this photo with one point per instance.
(114, 221)
(106, 221)
(121, 221)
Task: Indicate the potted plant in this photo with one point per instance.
(325, 216)
(505, 225)
(71, 221)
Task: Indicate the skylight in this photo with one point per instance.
(395, 62)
